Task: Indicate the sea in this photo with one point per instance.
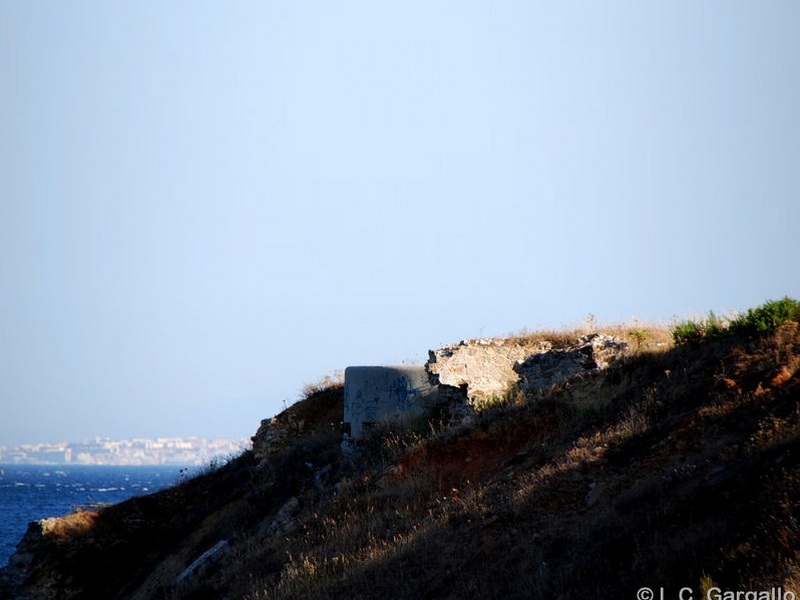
(32, 492)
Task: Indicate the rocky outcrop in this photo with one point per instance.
(34, 571)
(588, 356)
(32, 545)
(204, 562)
(274, 434)
(487, 369)
(584, 488)
(321, 411)
(484, 368)
(284, 520)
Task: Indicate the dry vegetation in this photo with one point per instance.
(684, 473)
(641, 337)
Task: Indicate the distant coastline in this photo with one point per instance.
(138, 451)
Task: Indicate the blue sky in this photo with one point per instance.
(206, 205)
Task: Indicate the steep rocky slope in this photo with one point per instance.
(682, 473)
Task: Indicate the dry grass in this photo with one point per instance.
(77, 524)
(443, 522)
(684, 473)
(641, 337)
(325, 383)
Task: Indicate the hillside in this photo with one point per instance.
(682, 472)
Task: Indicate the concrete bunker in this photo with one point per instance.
(375, 394)
(462, 376)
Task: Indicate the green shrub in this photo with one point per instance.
(767, 317)
(638, 334)
(756, 321)
(687, 332)
(693, 332)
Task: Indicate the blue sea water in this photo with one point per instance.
(32, 492)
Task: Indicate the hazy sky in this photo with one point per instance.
(206, 205)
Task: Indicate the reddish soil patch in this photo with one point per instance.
(454, 462)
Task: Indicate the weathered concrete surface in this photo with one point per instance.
(373, 394)
(484, 367)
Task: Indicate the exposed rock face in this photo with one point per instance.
(490, 368)
(484, 367)
(589, 355)
(320, 411)
(32, 572)
(19, 566)
(274, 434)
(205, 561)
(283, 522)
(137, 549)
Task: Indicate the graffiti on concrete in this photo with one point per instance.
(373, 394)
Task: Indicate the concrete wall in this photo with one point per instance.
(373, 394)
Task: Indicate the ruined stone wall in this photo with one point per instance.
(485, 368)
(488, 369)
(589, 355)
(469, 374)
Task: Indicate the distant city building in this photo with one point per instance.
(162, 451)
